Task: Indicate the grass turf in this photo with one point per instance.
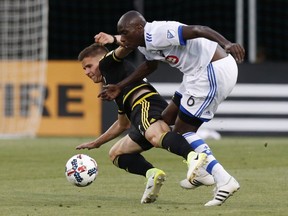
(32, 180)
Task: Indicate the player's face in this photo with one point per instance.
(131, 35)
(91, 68)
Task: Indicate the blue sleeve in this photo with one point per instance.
(182, 41)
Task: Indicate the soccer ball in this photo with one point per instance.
(81, 170)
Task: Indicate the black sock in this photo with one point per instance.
(133, 163)
(176, 144)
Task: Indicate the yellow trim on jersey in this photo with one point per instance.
(116, 58)
(101, 58)
(132, 90)
(143, 98)
(144, 113)
(161, 138)
(109, 53)
(120, 112)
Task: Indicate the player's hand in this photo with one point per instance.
(236, 50)
(88, 145)
(103, 38)
(109, 92)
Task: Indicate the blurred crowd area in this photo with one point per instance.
(73, 24)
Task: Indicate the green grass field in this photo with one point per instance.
(32, 180)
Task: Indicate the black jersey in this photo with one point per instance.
(115, 70)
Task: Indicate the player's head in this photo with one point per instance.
(90, 58)
(131, 28)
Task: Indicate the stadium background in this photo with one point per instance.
(73, 24)
(258, 104)
(32, 170)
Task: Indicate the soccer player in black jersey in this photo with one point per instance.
(140, 107)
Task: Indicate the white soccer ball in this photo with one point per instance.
(81, 170)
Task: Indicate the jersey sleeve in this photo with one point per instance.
(120, 106)
(148, 55)
(107, 62)
(160, 35)
(121, 112)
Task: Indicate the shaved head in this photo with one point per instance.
(131, 28)
(131, 17)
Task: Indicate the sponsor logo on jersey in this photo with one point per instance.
(172, 59)
(170, 34)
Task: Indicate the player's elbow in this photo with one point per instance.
(112, 154)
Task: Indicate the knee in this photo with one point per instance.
(155, 138)
(113, 153)
(155, 132)
(151, 138)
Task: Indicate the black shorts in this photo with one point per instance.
(146, 110)
(135, 135)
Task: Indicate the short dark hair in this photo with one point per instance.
(92, 50)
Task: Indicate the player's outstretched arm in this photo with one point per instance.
(117, 128)
(104, 38)
(110, 92)
(89, 145)
(196, 31)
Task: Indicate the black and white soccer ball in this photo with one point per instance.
(81, 170)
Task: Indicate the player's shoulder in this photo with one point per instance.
(159, 24)
(109, 60)
(160, 27)
(160, 35)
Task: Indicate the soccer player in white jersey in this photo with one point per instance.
(209, 70)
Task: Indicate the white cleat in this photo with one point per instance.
(204, 180)
(195, 161)
(153, 186)
(223, 192)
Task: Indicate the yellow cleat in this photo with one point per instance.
(155, 177)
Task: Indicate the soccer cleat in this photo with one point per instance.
(195, 161)
(203, 180)
(223, 192)
(156, 177)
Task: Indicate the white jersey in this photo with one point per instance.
(205, 84)
(164, 42)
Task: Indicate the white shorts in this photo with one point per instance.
(201, 97)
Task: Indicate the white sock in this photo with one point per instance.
(213, 167)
